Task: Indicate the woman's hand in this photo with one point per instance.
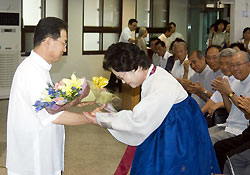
(91, 116)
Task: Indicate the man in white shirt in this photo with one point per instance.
(174, 34)
(216, 101)
(162, 51)
(35, 140)
(212, 53)
(165, 37)
(236, 122)
(155, 57)
(178, 71)
(127, 33)
(200, 88)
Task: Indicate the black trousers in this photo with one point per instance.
(229, 147)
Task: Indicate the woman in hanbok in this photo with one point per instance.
(167, 125)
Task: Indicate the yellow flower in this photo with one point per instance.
(73, 82)
(46, 97)
(101, 82)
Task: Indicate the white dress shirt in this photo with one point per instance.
(178, 69)
(205, 78)
(160, 91)
(216, 97)
(174, 36)
(35, 146)
(156, 59)
(125, 35)
(164, 59)
(236, 122)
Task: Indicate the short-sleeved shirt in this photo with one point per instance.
(236, 121)
(178, 69)
(219, 39)
(125, 35)
(205, 78)
(34, 144)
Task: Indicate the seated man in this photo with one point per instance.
(165, 55)
(178, 71)
(155, 57)
(200, 86)
(216, 100)
(236, 122)
(236, 149)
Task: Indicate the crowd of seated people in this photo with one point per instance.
(219, 81)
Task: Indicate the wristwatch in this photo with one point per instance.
(205, 92)
(231, 94)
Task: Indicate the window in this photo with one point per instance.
(33, 11)
(153, 14)
(101, 24)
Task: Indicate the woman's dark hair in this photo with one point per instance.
(124, 57)
(245, 30)
(239, 45)
(219, 21)
(48, 27)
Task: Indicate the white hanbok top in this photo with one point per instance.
(35, 146)
(236, 122)
(160, 91)
(216, 97)
(205, 78)
(125, 35)
(178, 69)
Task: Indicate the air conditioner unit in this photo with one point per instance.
(10, 43)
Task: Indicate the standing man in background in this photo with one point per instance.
(174, 34)
(127, 33)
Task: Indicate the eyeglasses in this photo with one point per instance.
(64, 44)
(237, 65)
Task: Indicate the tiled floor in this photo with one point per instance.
(89, 150)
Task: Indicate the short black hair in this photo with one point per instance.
(131, 21)
(153, 39)
(124, 57)
(172, 23)
(245, 30)
(48, 27)
(161, 43)
(239, 45)
(213, 46)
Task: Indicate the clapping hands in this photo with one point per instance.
(222, 85)
(244, 103)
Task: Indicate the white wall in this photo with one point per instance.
(239, 19)
(178, 15)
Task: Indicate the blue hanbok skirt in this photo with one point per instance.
(180, 145)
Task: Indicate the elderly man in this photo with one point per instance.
(216, 101)
(200, 88)
(236, 121)
(181, 69)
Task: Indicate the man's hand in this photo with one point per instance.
(213, 107)
(195, 88)
(222, 85)
(244, 103)
(184, 82)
